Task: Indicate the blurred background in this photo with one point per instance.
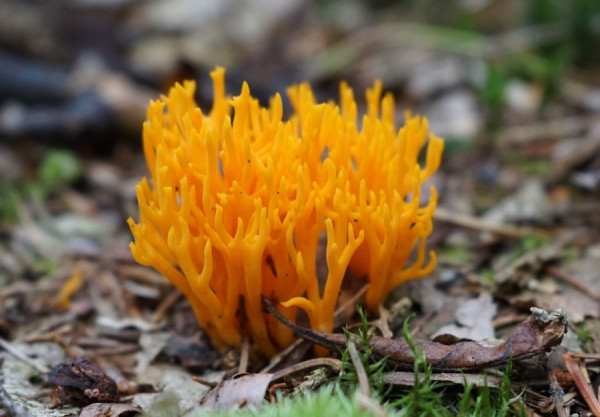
(513, 86)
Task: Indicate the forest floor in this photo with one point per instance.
(517, 99)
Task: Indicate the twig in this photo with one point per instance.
(275, 360)
(363, 396)
(587, 392)
(557, 395)
(504, 321)
(351, 301)
(205, 382)
(572, 280)
(335, 364)
(10, 348)
(558, 128)
(371, 405)
(124, 349)
(165, 305)
(588, 356)
(471, 222)
(361, 373)
(49, 336)
(384, 325)
(243, 366)
(420, 322)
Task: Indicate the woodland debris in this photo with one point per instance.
(239, 392)
(109, 410)
(582, 383)
(195, 355)
(251, 389)
(537, 334)
(584, 152)
(557, 394)
(407, 379)
(548, 129)
(152, 344)
(17, 353)
(369, 404)
(81, 382)
(473, 319)
(528, 203)
(519, 271)
(332, 363)
(361, 373)
(244, 355)
(471, 222)
(573, 281)
(311, 382)
(162, 378)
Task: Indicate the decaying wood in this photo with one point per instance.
(539, 332)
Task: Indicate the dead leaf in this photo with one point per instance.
(238, 392)
(538, 333)
(528, 203)
(517, 273)
(582, 151)
(18, 382)
(167, 378)
(152, 344)
(474, 319)
(109, 410)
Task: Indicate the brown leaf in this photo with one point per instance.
(81, 382)
(238, 392)
(538, 333)
(109, 410)
(473, 320)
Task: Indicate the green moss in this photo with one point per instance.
(60, 167)
(328, 401)
(375, 370)
(455, 254)
(9, 203)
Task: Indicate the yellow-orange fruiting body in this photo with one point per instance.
(239, 198)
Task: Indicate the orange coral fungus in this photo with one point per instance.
(237, 204)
